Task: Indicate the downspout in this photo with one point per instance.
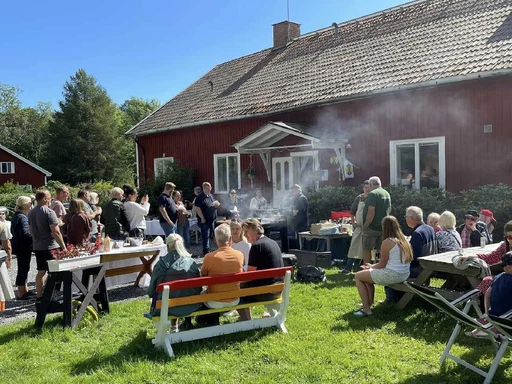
(143, 161)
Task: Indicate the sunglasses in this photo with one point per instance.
(470, 218)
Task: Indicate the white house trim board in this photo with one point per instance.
(46, 173)
(265, 158)
(440, 140)
(270, 134)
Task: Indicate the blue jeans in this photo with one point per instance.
(167, 228)
(206, 230)
(184, 231)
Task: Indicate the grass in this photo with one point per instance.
(325, 344)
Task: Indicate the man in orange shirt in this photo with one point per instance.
(225, 260)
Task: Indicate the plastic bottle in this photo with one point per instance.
(482, 241)
(99, 241)
(106, 244)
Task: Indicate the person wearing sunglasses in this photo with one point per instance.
(494, 257)
(472, 231)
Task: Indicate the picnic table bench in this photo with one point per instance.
(441, 266)
(277, 307)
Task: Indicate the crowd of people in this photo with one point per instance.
(242, 245)
(398, 257)
(42, 224)
(258, 253)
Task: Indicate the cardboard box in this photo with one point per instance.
(315, 228)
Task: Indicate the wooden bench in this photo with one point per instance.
(277, 307)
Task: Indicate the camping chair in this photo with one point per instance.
(461, 316)
(503, 324)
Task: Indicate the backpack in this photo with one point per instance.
(310, 274)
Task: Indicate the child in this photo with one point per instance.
(498, 298)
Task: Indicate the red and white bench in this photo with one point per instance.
(277, 307)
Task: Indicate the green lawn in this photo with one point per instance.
(325, 344)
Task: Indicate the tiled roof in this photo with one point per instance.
(414, 44)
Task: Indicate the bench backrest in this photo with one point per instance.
(223, 279)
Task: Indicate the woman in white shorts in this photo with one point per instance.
(392, 268)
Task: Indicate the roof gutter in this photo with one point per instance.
(426, 84)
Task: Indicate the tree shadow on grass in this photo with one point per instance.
(141, 349)
(28, 330)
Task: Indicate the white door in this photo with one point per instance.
(282, 179)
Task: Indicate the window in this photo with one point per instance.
(418, 164)
(226, 172)
(7, 167)
(162, 165)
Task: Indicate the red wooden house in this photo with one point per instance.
(419, 95)
(20, 170)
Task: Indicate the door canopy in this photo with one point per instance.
(264, 140)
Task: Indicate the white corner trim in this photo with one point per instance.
(26, 161)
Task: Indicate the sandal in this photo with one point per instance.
(362, 313)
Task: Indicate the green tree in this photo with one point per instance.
(23, 130)
(85, 135)
(133, 111)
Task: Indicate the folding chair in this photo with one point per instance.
(500, 341)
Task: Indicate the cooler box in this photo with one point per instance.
(318, 259)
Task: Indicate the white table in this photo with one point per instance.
(128, 258)
(153, 228)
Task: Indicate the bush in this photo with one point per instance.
(497, 198)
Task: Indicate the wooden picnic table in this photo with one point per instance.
(441, 266)
(108, 264)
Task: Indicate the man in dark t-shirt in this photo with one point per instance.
(264, 254)
(167, 211)
(206, 208)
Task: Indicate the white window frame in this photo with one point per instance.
(11, 163)
(155, 168)
(440, 140)
(216, 174)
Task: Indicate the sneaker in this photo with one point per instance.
(230, 313)
(175, 329)
(362, 313)
(265, 315)
(344, 271)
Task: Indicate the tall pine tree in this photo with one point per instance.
(85, 142)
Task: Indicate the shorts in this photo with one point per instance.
(221, 304)
(387, 276)
(41, 259)
(371, 239)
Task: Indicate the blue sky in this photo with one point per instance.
(151, 49)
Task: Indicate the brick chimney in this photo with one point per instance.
(284, 32)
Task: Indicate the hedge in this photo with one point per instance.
(497, 198)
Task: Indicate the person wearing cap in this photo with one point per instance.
(22, 245)
(472, 231)
(487, 218)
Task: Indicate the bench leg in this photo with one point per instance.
(159, 340)
(168, 347)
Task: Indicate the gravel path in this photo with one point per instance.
(25, 309)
